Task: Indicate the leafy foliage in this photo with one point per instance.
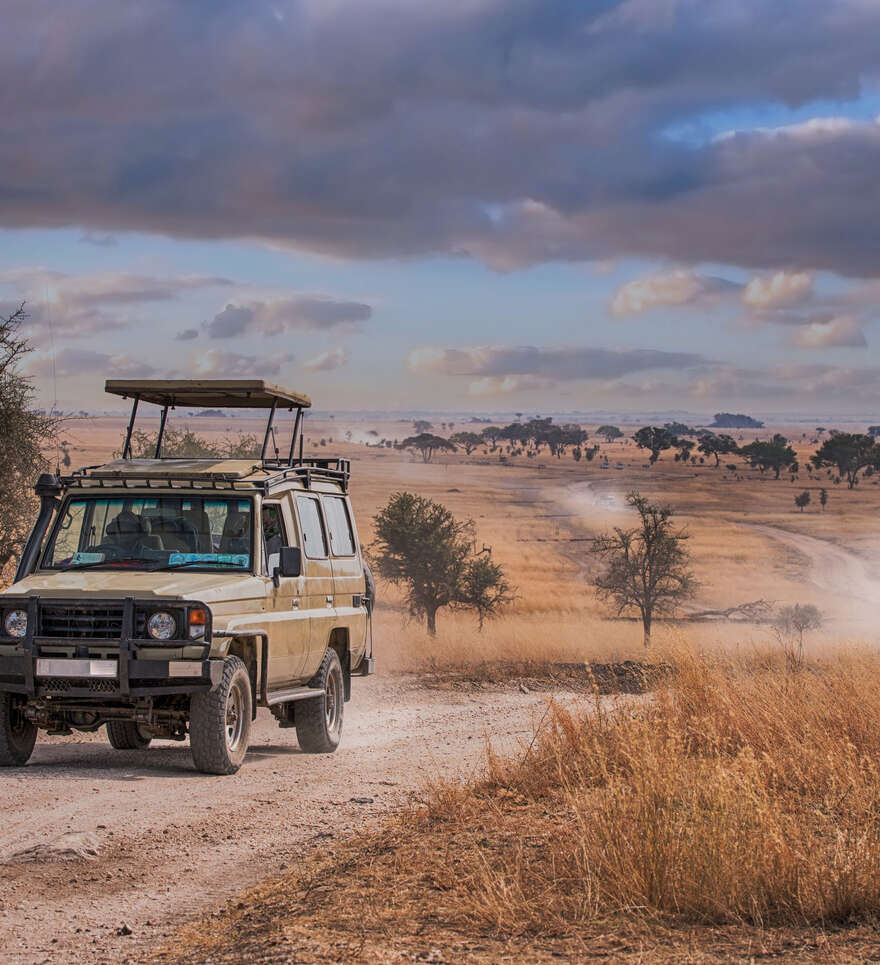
(180, 442)
(802, 500)
(467, 440)
(25, 434)
(609, 433)
(717, 446)
(775, 455)
(426, 444)
(656, 439)
(849, 453)
(647, 568)
(423, 548)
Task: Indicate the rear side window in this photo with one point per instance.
(338, 526)
(314, 543)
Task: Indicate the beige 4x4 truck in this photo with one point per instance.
(164, 597)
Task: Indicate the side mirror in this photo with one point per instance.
(290, 561)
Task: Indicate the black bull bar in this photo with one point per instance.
(124, 675)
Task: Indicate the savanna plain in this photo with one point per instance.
(540, 789)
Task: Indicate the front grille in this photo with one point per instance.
(60, 685)
(93, 622)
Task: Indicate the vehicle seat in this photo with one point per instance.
(198, 519)
(177, 535)
(126, 531)
(235, 538)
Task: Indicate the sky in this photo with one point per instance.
(479, 205)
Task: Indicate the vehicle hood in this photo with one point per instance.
(108, 584)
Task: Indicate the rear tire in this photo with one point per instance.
(126, 735)
(17, 734)
(220, 721)
(319, 719)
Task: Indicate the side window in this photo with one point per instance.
(338, 526)
(273, 532)
(314, 544)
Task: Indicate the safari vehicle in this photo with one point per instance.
(163, 597)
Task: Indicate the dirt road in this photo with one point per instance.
(831, 568)
(160, 842)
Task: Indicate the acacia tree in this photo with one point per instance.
(849, 453)
(467, 440)
(609, 433)
(426, 444)
(423, 548)
(656, 439)
(646, 568)
(717, 446)
(484, 587)
(776, 454)
(25, 433)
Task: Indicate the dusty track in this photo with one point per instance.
(831, 567)
(170, 841)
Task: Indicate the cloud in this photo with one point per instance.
(72, 362)
(508, 385)
(303, 312)
(679, 287)
(187, 335)
(217, 363)
(515, 132)
(327, 361)
(840, 332)
(78, 305)
(556, 364)
(779, 290)
(99, 240)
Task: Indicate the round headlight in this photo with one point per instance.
(16, 623)
(162, 626)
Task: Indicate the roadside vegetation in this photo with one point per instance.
(28, 435)
(736, 806)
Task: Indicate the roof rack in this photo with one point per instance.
(211, 393)
(309, 471)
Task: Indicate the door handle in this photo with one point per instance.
(329, 600)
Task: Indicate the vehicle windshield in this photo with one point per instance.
(151, 533)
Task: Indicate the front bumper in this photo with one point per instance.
(33, 667)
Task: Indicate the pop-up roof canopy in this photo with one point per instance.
(209, 393)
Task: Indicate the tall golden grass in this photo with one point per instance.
(739, 792)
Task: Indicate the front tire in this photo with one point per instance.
(17, 734)
(126, 735)
(319, 719)
(220, 721)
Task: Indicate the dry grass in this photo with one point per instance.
(737, 808)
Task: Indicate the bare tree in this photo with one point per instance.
(647, 568)
(25, 434)
(791, 623)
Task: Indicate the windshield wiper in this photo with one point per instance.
(90, 565)
(178, 566)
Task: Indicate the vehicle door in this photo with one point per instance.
(318, 578)
(348, 571)
(286, 619)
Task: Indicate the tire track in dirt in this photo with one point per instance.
(171, 842)
(831, 567)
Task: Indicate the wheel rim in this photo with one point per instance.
(234, 717)
(331, 702)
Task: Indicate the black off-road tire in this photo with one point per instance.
(319, 719)
(220, 721)
(17, 734)
(126, 735)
